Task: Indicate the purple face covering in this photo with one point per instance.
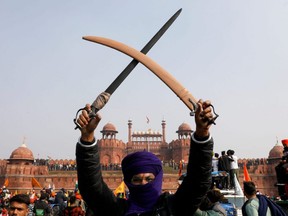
(142, 198)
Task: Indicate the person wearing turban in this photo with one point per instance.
(143, 174)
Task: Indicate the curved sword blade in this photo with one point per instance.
(122, 76)
(187, 98)
(103, 98)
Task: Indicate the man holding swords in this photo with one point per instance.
(143, 173)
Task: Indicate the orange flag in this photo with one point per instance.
(35, 183)
(246, 174)
(6, 183)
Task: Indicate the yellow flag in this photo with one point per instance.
(120, 190)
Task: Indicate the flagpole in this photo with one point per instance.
(147, 136)
(148, 144)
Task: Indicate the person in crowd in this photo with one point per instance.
(215, 161)
(216, 176)
(41, 206)
(79, 200)
(234, 168)
(73, 209)
(282, 174)
(4, 211)
(224, 165)
(210, 205)
(18, 205)
(60, 201)
(258, 204)
(143, 173)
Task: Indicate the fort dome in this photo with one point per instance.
(184, 127)
(276, 152)
(22, 153)
(109, 127)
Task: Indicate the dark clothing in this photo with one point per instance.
(224, 165)
(41, 204)
(184, 202)
(60, 200)
(60, 197)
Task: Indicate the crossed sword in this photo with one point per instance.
(139, 56)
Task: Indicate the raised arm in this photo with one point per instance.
(198, 179)
(94, 190)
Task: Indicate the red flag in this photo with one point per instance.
(35, 183)
(246, 174)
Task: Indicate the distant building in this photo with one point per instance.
(112, 150)
(22, 167)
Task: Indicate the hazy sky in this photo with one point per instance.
(234, 53)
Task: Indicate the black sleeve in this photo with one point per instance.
(198, 179)
(94, 190)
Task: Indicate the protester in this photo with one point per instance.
(4, 211)
(60, 201)
(143, 174)
(215, 162)
(224, 165)
(41, 206)
(259, 204)
(210, 205)
(234, 168)
(18, 205)
(73, 209)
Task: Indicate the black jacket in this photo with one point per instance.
(41, 204)
(101, 200)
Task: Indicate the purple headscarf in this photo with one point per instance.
(142, 198)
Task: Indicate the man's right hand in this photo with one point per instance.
(202, 116)
(88, 125)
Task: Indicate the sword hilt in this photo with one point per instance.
(75, 119)
(92, 114)
(195, 107)
(97, 105)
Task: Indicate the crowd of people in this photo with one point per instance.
(226, 168)
(45, 203)
(70, 203)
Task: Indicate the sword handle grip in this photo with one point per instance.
(75, 119)
(195, 107)
(97, 105)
